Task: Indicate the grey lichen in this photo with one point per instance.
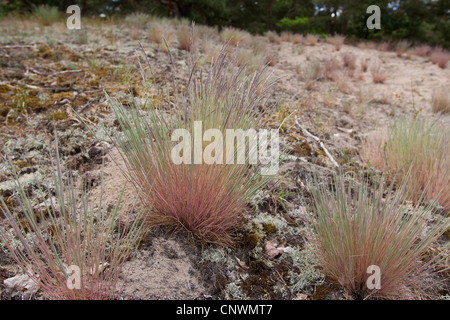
(309, 275)
(217, 255)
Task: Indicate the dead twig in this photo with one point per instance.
(66, 71)
(306, 132)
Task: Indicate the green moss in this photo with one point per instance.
(4, 110)
(250, 239)
(321, 293)
(303, 149)
(269, 228)
(21, 164)
(5, 88)
(258, 266)
(58, 116)
(259, 286)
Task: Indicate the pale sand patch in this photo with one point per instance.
(163, 269)
(161, 272)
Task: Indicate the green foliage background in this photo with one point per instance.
(415, 20)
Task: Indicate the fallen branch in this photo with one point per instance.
(306, 132)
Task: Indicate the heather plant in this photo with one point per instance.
(420, 144)
(66, 233)
(205, 199)
(359, 226)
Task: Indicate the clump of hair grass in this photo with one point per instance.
(205, 199)
(311, 74)
(233, 36)
(355, 226)
(137, 19)
(184, 36)
(349, 60)
(273, 37)
(379, 75)
(422, 50)
(337, 41)
(68, 232)
(440, 100)
(440, 57)
(47, 14)
(417, 143)
(401, 47)
(311, 39)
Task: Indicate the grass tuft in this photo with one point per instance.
(337, 41)
(378, 74)
(440, 57)
(205, 199)
(311, 39)
(419, 143)
(357, 226)
(137, 19)
(47, 14)
(233, 36)
(440, 100)
(67, 230)
(401, 47)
